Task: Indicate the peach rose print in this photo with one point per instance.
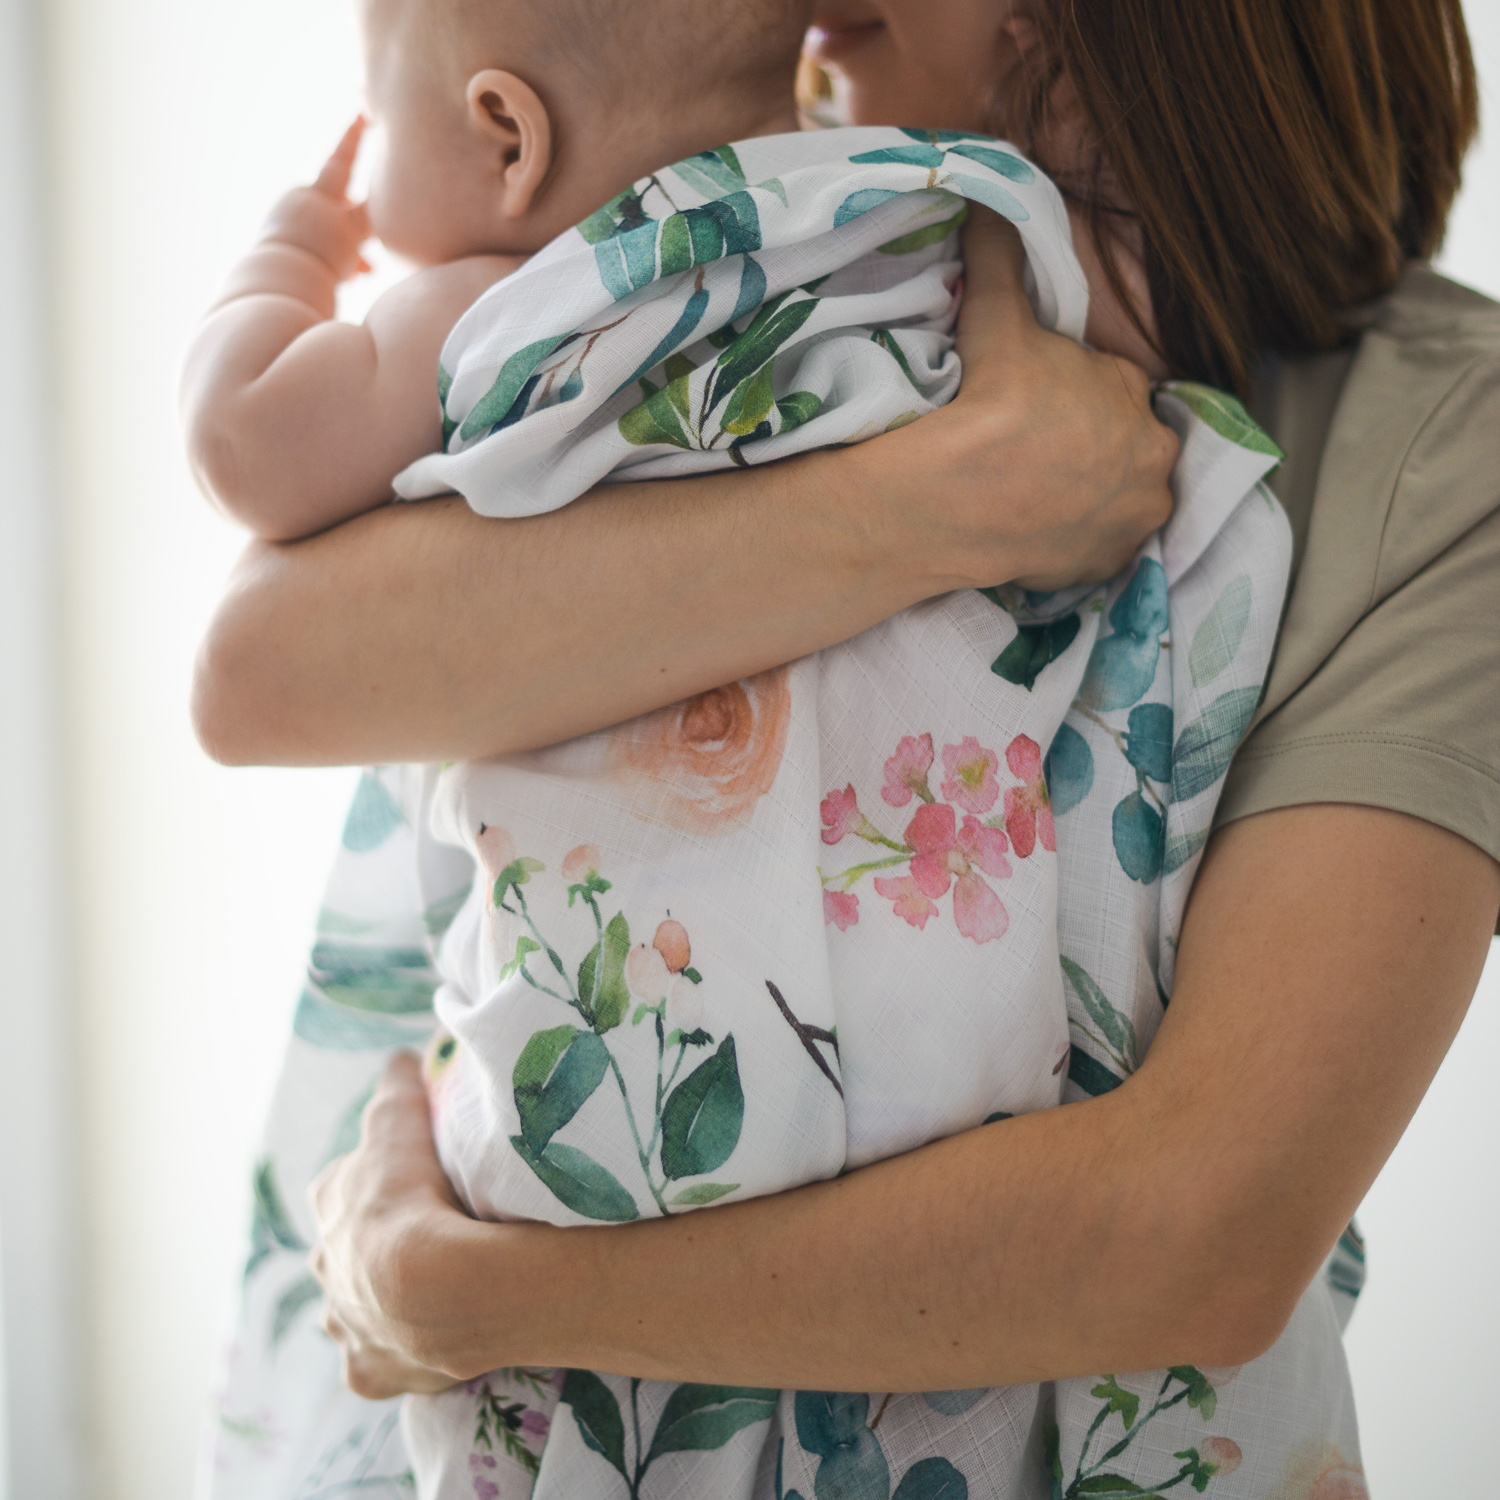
(703, 764)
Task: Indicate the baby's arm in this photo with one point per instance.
(294, 420)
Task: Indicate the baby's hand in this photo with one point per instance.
(320, 219)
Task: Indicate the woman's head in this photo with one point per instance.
(1273, 162)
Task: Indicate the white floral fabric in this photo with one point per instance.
(916, 884)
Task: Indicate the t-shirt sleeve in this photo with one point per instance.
(1393, 699)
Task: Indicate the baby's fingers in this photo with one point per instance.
(334, 178)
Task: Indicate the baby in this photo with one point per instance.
(665, 991)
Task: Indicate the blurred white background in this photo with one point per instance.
(173, 125)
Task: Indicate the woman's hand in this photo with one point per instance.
(373, 1207)
(426, 632)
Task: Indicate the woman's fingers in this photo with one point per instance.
(334, 178)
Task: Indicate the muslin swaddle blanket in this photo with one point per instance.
(919, 882)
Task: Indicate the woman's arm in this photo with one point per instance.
(1327, 959)
(429, 633)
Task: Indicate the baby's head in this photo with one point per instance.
(502, 122)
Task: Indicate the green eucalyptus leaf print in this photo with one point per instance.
(1068, 770)
(578, 1182)
(1139, 838)
(1035, 648)
(932, 1479)
(700, 1418)
(300, 1294)
(956, 1403)
(829, 1420)
(1224, 414)
(1090, 1074)
(774, 325)
(555, 1075)
(701, 1120)
(713, 173)
(1217, 639)
(1148, 740)
(1114, 1026)
(1105, 1486)
(909, 156)
(601, 986)
(657, 419)
(271, 1226)
(702, 1193)
(1122, 666)
(992, 195)
(751, 402)
(1205, 748)
(681, 331)
(1004, 162)
(920, 239)
(496, 403)
(374, 816)
(798, 407)
(597, 1414)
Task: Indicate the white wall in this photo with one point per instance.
(176, 123)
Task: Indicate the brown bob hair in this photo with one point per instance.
(1281, 159)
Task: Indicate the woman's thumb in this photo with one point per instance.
(995, 306)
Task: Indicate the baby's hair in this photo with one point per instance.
(677, 48)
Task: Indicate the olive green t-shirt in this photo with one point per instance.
(1385, 686)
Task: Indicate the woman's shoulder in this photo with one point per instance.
(1382, 690)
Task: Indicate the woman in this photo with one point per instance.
(1270, 177)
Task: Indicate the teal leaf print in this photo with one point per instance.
(1068, 770)
(1034, 648)
(752, 289)
(496, 403)
(856, 1472)
(1225, 415)
(713, 173)
(291, 1302)
(1090, 1074)
(597, 1414)
(1148, 740)
(751, 402)
(272, 1225)
(577, 1181)
(861, 203)
(829, 1420)
(556, 1073)
(572, 387)
(954, 1403)
(1181, 847)
(992, 195)
(1114, 1026)
(374, 816)
(932, 1479)
(920, 239)
(906, 156)
(1003, 162)
(1122, 666)
(701, 1193)
(1205, 748)
(606, 998)
(321, 1023)
(1217, 639)
(701, 1120)
(687, 322)
(700, 1418)
(1139, 836)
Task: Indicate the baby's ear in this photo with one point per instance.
(508, 115)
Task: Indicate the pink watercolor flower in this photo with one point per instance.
(496, 849)
(485, 1489)
(1028, 808)
(971, 779)
(647, 974)
(1223, 1453)
(909, 902)
(948, 854)
(906, 771)
(841, 815)
(580, 862)
(840, 909)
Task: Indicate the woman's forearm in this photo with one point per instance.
(428, 633)
(425, 632)
(1325, 965)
